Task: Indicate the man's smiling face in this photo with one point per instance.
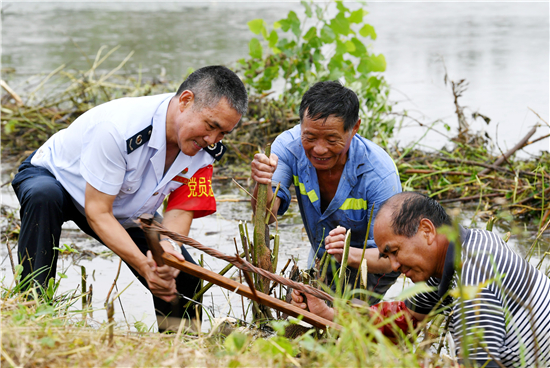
(325, 142)
(414, 257)
(195, 128)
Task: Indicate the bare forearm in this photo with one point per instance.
(178, 221)
(117, 239)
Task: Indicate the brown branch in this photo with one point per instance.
(422, 171)
(471, 198)
(536, 140)
(239, 262)
(489, 166)
(511, 151)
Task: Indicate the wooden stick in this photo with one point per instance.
(152, 238)
(244, 290)
(18, 100)
(511, 151)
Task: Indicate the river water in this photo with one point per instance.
(500, 48)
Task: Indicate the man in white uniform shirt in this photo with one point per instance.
(118, 161)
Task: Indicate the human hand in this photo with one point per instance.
(334, 243)
(162, 287)
(315, 305)
(262, 168)
(167, 272)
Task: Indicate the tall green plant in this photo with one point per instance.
(317, 48)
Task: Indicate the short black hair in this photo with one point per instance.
(328, 98)
(408, 208)
(211, 83)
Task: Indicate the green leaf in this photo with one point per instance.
(255, 48)
(48, 341)
(45, 309)
(140, 326)
(418, 288)
(284, 344)
(234, 363)
(363, 66)
(294, 23)
(377, 63)
(264, 85)
(284, 24)
(350, 46)
(10, 126)
(271, 72)
(256, 25)
(340, 6)
(277, 25)
(276, 50)
(273, 38)
(340, 48)
(356, 16)
(340, 25)
(235, 342)
(308, 11)
(368, 31)
(279, 326)
(50, 291)
(374, 82)
(360, 49)
(310, 34)
(327, 34)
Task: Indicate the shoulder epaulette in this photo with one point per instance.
(216, 150)
(138, 139)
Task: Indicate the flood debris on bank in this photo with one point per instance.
(465, 170)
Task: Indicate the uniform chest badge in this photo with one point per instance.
(216, 150)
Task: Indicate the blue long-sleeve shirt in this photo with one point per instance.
(369, 178)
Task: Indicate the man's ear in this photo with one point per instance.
(355, 128)
(428, 230)
(185, 99)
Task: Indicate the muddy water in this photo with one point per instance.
(217, 231)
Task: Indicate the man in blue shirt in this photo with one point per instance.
(338, 176)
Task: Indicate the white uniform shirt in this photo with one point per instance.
(94, 149)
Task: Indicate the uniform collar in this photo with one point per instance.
(158, 136)
(449, 266)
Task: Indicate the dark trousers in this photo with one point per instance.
(45, 206)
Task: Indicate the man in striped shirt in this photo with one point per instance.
(501, 310)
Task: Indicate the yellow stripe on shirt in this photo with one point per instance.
(354, 204)
(311, 194)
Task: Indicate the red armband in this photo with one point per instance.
(196, 195)
(406, 322)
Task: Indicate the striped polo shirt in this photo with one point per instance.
(505, 309)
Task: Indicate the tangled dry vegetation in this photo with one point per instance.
(50, 333)
(468, 171)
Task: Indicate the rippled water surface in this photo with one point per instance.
(500, 48)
